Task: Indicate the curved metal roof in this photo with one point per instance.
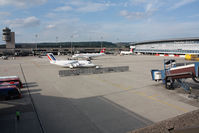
(168, 40)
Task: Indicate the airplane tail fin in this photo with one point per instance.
(103, 50)
(51, 57)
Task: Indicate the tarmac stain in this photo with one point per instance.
(37, 65)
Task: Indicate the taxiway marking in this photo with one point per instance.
(143, 94)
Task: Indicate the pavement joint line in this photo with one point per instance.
(32, 101)
(146, 96)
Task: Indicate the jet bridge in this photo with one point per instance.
(174, 72)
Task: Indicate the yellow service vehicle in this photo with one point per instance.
(194, 57)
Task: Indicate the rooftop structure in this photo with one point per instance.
(9, 37)
(170, 46)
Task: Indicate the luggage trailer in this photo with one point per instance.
(174, 72)
(11, 80)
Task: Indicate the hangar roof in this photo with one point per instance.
(168, 40)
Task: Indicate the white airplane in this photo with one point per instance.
(4, 57)
(89, 56)
(127, 52)
(69, 63)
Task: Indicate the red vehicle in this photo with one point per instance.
(11, 80)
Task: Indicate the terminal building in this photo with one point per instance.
(170, 46)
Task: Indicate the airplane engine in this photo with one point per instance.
(76, 65)
(71, 66)
(89, 62)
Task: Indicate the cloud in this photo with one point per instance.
(76, 3)
(148, 31)
(22, 3)
(85, 7)
(4, 14)
(110, 31)
(137, 15)
(25, 22)
(66, 27)
(131, 15)
(149, 7)
(138, 2)
(93, 7)
(51, 15)
(194, 16)
(50, 26)
(64, 8)
(181, 3)
(135, 2)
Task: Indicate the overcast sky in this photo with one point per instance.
(92, 20)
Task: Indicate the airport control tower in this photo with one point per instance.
(9, 37)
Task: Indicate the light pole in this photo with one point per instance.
(89, 41)
(56, 40)
(71, 44)
(101, 41)
(57, 45)
(117, 39)
(36, 36)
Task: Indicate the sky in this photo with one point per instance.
(99, 20)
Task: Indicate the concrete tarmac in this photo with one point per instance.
(103, 103)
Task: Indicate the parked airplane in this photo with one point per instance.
(89, 56)
(69, 63)
(4, 57)
(127, 52)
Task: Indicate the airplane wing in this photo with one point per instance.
(86, 55)
(67, 63)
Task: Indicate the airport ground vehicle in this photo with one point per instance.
(194, 57)
(7, 83)
(174, 72)
(9, 92)
(11, 80)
